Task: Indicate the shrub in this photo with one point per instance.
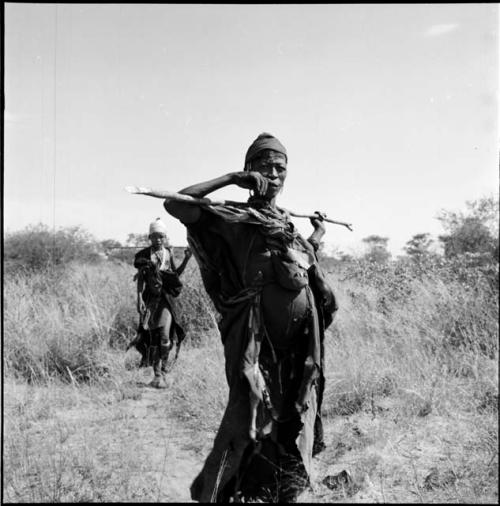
(37, 247)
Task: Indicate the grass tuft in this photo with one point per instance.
(411, 387)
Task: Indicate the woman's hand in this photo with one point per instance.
(141, 306)
(319, 230)
(251, 180)
(318, 223)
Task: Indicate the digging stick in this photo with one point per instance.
(179, 197)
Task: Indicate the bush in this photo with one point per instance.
(37, 247)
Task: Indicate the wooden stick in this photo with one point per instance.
(179, 197)
(323, 217)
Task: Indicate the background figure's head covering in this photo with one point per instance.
(157, 226)
(264, 141)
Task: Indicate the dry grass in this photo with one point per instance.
(410, 404)
(66, 323)
(87, 444)
(60, 323)
(407, 398)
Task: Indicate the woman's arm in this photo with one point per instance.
(317, 235)
(189, 213)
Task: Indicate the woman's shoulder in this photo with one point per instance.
(220, 221)
(142, 254)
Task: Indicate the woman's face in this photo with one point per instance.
(272, 165)
(157, 239)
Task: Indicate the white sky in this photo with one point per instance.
(389, 113)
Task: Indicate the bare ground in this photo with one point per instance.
(74, 443)
(98, 446)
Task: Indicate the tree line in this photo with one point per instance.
(473, 232)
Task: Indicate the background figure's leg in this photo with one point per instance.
(155, 355)
(177, 335)
(141, 344)
(165, 342)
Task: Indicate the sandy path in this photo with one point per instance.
(165, 443)
(87, 444)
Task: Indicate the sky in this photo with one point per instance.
(389, 113)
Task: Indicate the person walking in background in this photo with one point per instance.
(158, 283)
(265, 281)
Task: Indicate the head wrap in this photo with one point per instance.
(264, 141)
(157, 226)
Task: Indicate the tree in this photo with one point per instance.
(470, 236)
(109, 244)
(474, 231)
(419, 246)
(139, 240)
(345, 257)
(38, 247)
(377, 249)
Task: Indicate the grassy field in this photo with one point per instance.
(410, 408)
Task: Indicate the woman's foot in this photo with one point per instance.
(158, 382)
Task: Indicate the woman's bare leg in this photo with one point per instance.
(165, 342)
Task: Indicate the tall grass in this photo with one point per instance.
(412, 329)
(400, 327)
(60, 322)
(423, 337)
(413, 358)
(69, 322)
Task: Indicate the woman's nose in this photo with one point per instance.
(272, 172)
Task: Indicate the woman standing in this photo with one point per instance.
(265, 282)
(157, 283)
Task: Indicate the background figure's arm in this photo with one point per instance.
(140, 290)
(187, 255)
(171, 259)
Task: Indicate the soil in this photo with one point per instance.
(127, 445)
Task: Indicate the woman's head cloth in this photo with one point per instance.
(157, 226)
(264, 141)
